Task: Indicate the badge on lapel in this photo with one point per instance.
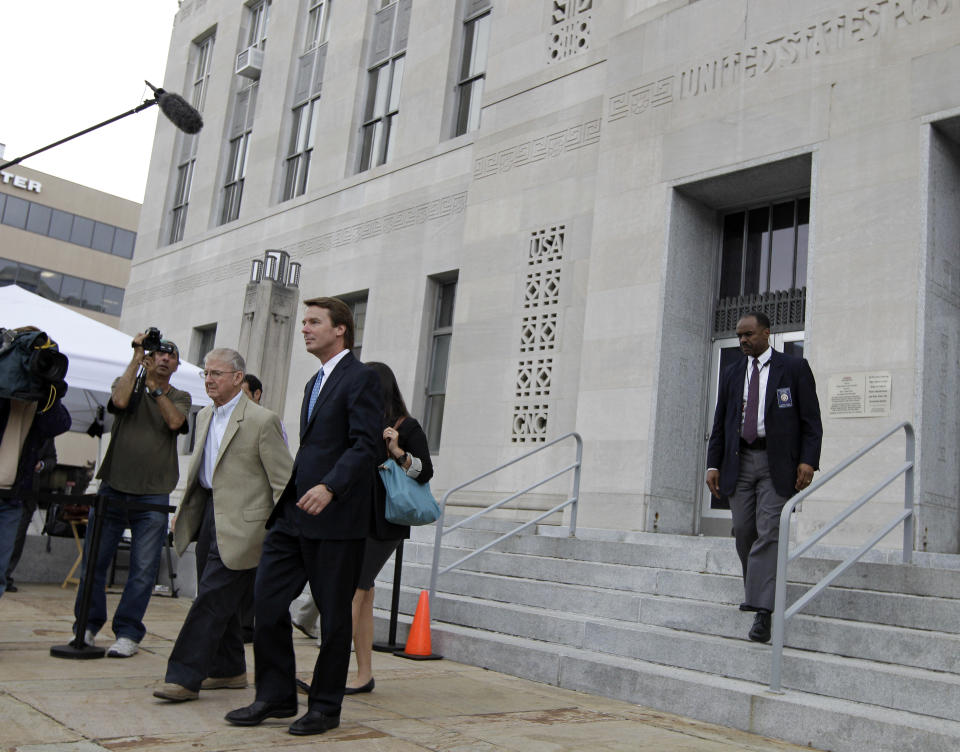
(784, 398)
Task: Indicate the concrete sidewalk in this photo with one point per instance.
(54, 705)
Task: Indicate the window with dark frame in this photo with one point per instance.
(181, 200)
(241, 128)
(300, 149)
(62, 288)
(188, 143)
(236, 170)
(57, 224)
(380, 112)
(440, 339)
(358, 307)
(763, 264)
(202, 341)
(306, 101)
(318, 12)
(259, 18)
(472, 72)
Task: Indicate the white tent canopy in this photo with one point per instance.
(98, 353)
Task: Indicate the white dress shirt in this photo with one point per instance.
(764, 359)
(329, 366)
(218, 426)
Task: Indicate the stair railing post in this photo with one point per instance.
(780, 600)
(576, 488)
(438, 536)
(435, 567)
(908, 488)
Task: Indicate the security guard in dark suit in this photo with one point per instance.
(764, 447)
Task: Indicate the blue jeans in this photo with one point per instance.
(10, 511)
(149, 530)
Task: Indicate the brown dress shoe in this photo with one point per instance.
(175, 693)
(225, 682)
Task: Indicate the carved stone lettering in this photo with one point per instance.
(866, 21)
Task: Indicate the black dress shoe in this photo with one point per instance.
(257, 712)
(760, 631)
(11, 588)
(313, 722)
(368, 687)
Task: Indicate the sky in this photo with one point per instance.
(68, 65)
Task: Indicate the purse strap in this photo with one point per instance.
(396, 427)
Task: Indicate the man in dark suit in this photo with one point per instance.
(764, 447)
(318, 527)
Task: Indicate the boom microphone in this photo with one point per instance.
(178, 110)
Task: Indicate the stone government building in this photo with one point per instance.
(549, 214)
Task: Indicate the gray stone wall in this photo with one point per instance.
(633, 126)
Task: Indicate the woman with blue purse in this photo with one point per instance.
(405, 446)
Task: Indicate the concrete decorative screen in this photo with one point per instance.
(538, 335)
(569, 31)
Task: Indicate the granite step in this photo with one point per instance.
(800, 717)
(545, 582)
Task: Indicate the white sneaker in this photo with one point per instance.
(123, 648)
(89, 637)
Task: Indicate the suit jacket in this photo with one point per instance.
(791, 420)
(339, 447)
(251, 470)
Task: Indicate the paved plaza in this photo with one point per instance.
(54, 705)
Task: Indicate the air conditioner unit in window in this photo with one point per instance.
(250, 62)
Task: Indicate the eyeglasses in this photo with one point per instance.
(216, 374)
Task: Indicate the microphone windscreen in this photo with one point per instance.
(179, 112)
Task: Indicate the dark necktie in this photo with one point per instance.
(749, 433)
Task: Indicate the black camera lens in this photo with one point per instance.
(152, 341)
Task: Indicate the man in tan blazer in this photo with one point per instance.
(239, 468)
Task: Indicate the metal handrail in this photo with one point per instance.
(572, 501)
(782, 614)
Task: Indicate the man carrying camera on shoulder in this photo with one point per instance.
(32, 372)
(140, 466)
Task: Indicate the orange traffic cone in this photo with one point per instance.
(418, 641)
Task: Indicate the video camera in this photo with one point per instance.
(31, 367)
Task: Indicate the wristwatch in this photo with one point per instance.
(401, 460)
(157, 393)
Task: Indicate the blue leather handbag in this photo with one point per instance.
(408, 502)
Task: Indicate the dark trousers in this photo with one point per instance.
(756, 508)
(332, 568)
(210, 642)
(246, 612)
(29, 507)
